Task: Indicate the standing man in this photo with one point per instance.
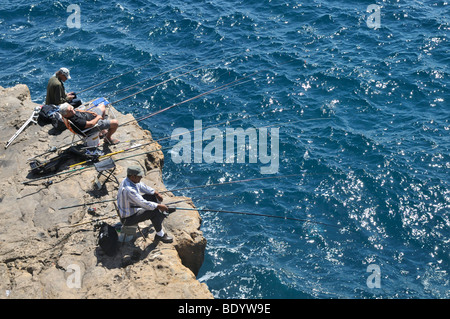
(135, 208)
(56, 93)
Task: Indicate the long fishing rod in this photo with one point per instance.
(222, 87)
(145, 153)
(148, 116)
(54, 149)
(116, 77)
(112, 153)
(96, 220)
(235, 82)
(170, 203)
(256, 214)
(159, 140)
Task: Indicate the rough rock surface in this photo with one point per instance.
(48, 252)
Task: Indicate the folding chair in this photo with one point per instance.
(105, 168)
(128, 232)
(90, 137)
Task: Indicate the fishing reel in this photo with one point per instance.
(39, 168)
(170, 211)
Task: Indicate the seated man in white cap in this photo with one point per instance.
(56, 93)
(135, 208)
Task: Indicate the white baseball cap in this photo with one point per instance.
(65, 72)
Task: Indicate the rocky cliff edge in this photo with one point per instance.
(49, 252)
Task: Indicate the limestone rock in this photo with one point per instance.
(49, 252)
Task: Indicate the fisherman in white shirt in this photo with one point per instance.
(135, 208)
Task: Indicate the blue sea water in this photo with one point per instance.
(362, 113)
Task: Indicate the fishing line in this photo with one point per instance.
(256, 214)
(148, 79)
(230, 182)
(173, 78)
(116, 77)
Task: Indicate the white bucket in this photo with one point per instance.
(127, 233)
(93, 140)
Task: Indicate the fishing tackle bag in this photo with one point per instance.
(49, 114)
(108, 239)
(46, 114)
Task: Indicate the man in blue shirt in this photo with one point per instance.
(135, 208)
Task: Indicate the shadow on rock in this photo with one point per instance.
(127, 253)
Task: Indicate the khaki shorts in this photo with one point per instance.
(102, 124)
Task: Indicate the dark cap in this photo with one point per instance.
(135, 171)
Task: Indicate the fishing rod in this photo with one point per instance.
(256, 214)
(188, 100)
(111, 154)
(116, 77)
(113, 199)
(159, 140)
(145, 117)
(52, 149)
(88, 222)
(155, 85)
(222, 87)
(145, 153)
(235, 82)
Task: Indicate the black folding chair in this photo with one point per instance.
(105, 168)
